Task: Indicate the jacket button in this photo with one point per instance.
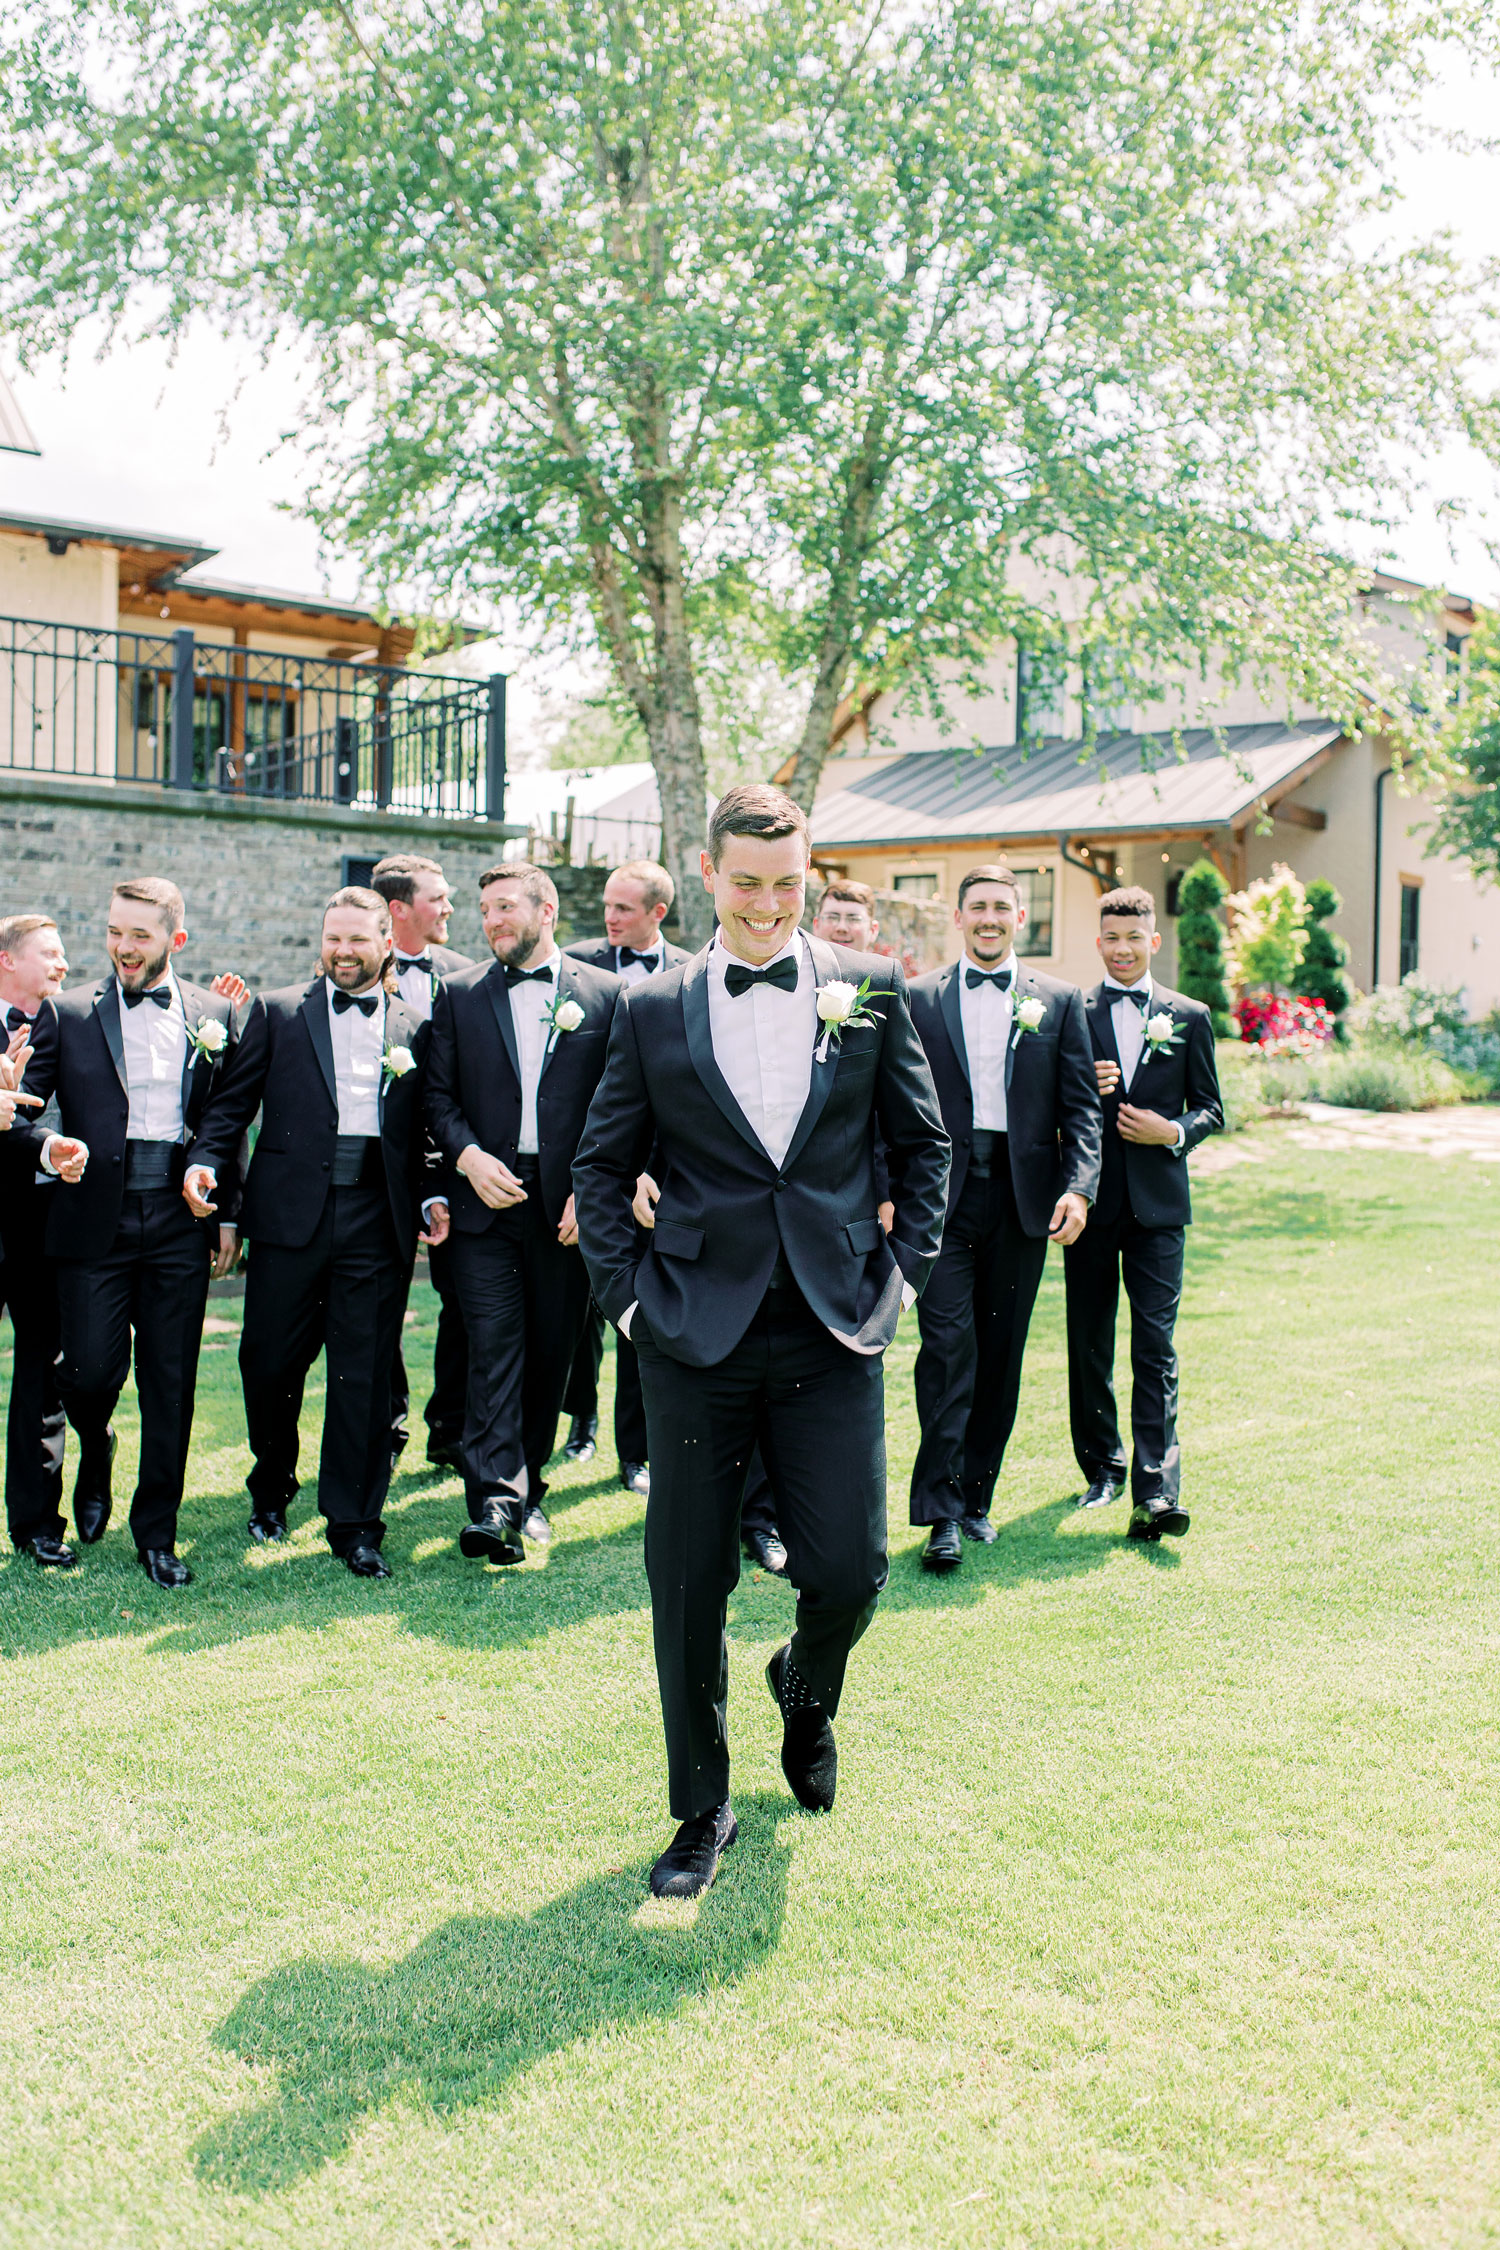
(964, 1143)
(780, 1184)
(325, 1165)
(114, 1160)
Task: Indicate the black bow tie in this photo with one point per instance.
(1137, 994)
(16, 1018)
(1000, 978)
(647, 960)
(160, 996)
(783, 974)
(422, 961)
(529, 976)
(366, 1006)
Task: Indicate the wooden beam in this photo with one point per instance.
(1301, 816)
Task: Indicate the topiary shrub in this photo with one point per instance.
(1384, 1078)
(1200, 942)
(1323, 975)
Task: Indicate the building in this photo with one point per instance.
(908, 806)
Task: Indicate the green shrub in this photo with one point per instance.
(1381, 1078)
(1268, 932)
(1323, 975)
(1200, 941)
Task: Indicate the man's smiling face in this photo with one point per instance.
(759, 889)
(989, 918)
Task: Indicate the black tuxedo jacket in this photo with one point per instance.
(600, 954)
(474, 1081)
(283, 1067)
(79, 1055)
(726, 1209)
(1181, 1081)
(20, 1148)
(1051, 1093)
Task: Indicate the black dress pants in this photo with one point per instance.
(154, 1280)
(341, 1293)
(36, 1427)
(524, 1298)
(1150, 1259)
(444, 1411)
(582, 1394)
(973, 1317)
(758, 1508)
(817, 1411)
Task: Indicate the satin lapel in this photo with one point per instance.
(700, 1045)
(314, 1013)
(1101, 1015)
(499, 992)
(950, 1003)
(1023, 987)
(193, 1012)
(567, 978)
(1155, 1007)
(107, 1009)
(820, 1086)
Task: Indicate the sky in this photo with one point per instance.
(188, 441)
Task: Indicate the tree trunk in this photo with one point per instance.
(817, 730)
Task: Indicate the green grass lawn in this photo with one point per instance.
(1159, 1905)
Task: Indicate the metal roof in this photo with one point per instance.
(1205, 778)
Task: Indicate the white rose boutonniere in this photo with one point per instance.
(396, 1062)
(1030, 1013)
(563, 1015)
(1161, 1031)
(209, 1037)
(841, 1007)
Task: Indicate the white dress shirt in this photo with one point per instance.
(155, 1042)
(987, 1013)
(636, 972)
(358, 1053)
(1130, 1034)
(763, 1043)
(530, 1007)
(415, 988)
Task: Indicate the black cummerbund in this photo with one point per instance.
(356, 1160)
(149, 1164)
(987, 1151)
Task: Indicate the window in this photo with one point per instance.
(356, 872)
(1039, 694)
(1035, 935)
(1411, 922)
(915, 886)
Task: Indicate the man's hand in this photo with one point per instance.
(493, 1182)
(225, 1255)
(65, 1157)
(647, 1196)
(1146, 1127)
(17, 1055)
(1069, 1219)
(1108, 1075)
(198, 1185)
(886, 1213)
(437, 1224)
(231, 988)
(567, 1226)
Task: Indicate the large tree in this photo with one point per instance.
(797, 324)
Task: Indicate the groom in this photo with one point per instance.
(769, 1291)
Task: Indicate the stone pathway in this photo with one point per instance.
(1471, 1129)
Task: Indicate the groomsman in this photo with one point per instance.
(637, 900)
(330, 1212)
(767, 1295)
(517, 1051)
(136, 1064)
(1154, 1058)
(1010, 1055)
(421, 903)
(33, 967)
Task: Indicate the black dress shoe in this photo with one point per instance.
(765, 1548)
(496, 1537)
(535, 1527)
(583, 1438)
(443, 1453)
(365, 1562)
(163, 1567)
(49, 1552)
(809, 1754)
(91, 1494)
(691, 1861)
(1101, 1492)
(266, 1527)
(944, 1550)
(979, 1529)
(636, 1477)
(400, 1439)
(1156, 1519)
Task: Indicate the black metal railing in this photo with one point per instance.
(181, 713)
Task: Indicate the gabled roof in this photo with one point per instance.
(1121, 783)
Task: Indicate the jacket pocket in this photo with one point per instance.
(865, 1235)
(674, 1240)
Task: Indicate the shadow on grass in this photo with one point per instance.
(1047, 1542)
(477, 2003)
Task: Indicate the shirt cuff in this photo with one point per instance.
(908, 1295)
(1181, 1138)
(46, 1158)
(427, 1203)
(626, 1317)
